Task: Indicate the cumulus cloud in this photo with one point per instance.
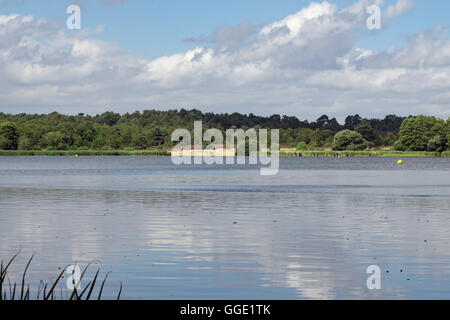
(306, 64)
(399, 8)
(228, 37)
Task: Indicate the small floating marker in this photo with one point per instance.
(76, 155)
(400, 162)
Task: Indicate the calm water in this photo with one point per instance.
(202, 232)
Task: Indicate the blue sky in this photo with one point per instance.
(154, 28)
(293, 57)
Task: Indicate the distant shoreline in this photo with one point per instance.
(365, 154)
(304, 153)
(81, 153)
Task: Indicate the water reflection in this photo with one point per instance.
(174, 234)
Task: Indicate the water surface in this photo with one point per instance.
(225, 232)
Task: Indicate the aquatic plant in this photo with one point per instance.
(46, 291)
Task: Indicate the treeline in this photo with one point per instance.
(151, 129)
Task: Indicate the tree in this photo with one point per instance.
(352, 121)
(109, 118)
(390, 123)
(316, 140)
(141, 142)
(56, 140)
(447, 131)
(369, 134)
(437, 144)
(85, 133)
(127, 133)
(158, 136)
(30, 136)
(326, 137)
(112, 130)
(389, 139)
(25, 143)
(322, 122)
(302, 146)
(348, 140)
(9, 136)
(415, 133)
(304, 135)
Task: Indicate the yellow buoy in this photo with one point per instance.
(76, 155)
(399, 162)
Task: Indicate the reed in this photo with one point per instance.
(299, 153)
(377, 153)
(69, 153)
(46, 291)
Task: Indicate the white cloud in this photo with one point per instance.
(399, 8)
(306, 64)
(227, 37)
(296, 22)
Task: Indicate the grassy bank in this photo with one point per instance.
(387, 153)
(84, 153)
(304, 153)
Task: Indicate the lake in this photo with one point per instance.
(226, 232)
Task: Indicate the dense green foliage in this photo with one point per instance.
(368, 133)
(8, 136)
(348, 140)
(302, 146)
(364, 153)
(423, 133)
(151, 129)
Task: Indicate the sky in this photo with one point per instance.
(291, 57)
